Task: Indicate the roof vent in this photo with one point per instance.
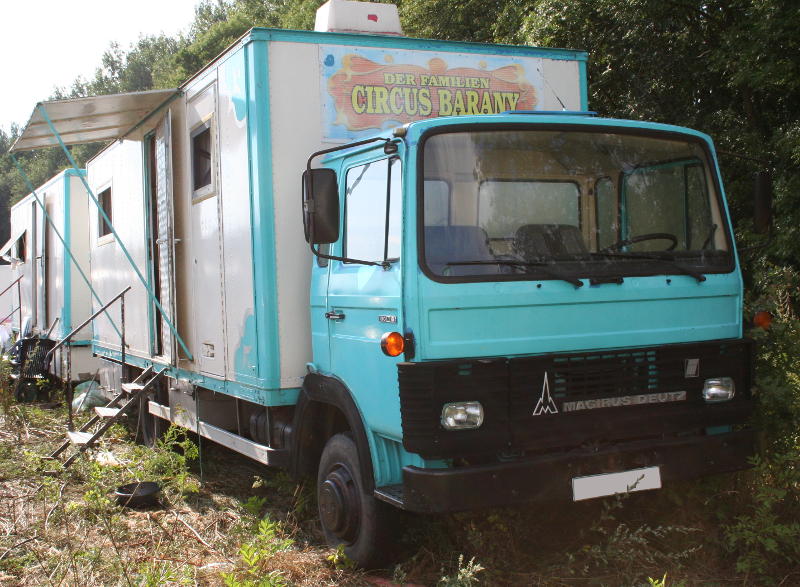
(345, 16)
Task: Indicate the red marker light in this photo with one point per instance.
(762, 319)
(372, 17)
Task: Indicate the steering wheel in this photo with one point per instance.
(641, 238)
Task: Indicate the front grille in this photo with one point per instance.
(524, 398)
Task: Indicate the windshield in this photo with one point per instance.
(556, 204)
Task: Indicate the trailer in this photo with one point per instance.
(48, 230)
(419, 271)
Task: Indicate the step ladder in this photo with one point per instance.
(105, 416)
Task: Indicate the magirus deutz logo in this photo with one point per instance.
(546, 405)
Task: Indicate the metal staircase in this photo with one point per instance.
(87, 435)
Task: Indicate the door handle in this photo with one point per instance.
(334, 315)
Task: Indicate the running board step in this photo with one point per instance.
(104, 412)
(79, 438)
(278, 457)
(392, 494)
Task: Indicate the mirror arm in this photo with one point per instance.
(321, 255)
(343, 147)
(310, 190)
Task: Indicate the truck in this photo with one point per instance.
(420, 272)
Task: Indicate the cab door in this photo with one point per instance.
(364, 301)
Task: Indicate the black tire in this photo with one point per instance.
(26, 391)
(350, 516)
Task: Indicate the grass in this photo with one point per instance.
(240, 524)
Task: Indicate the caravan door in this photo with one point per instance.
(207, 268)
(164, 249)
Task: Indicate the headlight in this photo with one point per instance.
(462, 415)
(719, 389)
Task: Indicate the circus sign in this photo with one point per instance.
(365, 90)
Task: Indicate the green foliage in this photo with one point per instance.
(269, 540)
(464, 20)
(464, 574)
(629, 550)
(339, 560)
(169, 462)
(662, 582)
(766, 536)
(254, 505)
(157, 573)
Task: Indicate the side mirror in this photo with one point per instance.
(320, 206)
(762, 202)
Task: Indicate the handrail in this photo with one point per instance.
(13, 283)
(61, 342)
(11, 314)
(52, 327)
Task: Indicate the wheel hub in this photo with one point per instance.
(339, 504)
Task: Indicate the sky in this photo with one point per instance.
(45, 44)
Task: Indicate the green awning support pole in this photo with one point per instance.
(122, 246)
(49, 220)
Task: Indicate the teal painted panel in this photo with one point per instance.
(362, 294)
(265, 291)
(416, 129)
(519, 318)
(584, 83)
(360, 40)
(258, 395)
(390, 457)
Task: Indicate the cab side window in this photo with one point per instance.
(372, 214)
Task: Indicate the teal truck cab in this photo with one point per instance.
(558, 303)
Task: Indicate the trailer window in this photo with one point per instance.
(201, 160)
(104, 198)
(19, 249)
(372, 211)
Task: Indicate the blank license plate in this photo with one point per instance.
(612, 483)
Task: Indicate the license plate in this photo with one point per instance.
(612, 483)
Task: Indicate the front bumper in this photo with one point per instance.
(550, 476)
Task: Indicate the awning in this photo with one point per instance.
(93, 119)
(7, 247)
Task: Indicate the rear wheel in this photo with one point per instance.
(350, 516)
(26, 391)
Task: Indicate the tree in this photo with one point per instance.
(723, 67)
(482, 21)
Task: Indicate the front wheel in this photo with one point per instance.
(350, 516)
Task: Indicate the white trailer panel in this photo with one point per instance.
(54, 294)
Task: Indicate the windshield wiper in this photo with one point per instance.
(682, 268)
(545, 267)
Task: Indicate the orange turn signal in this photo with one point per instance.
(762, 319)
(392, 343)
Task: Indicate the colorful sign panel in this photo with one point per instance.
(365, 90)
